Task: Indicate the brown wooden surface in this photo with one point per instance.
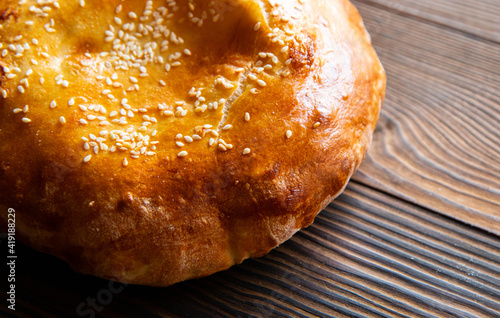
(438, 141)
(414, 233)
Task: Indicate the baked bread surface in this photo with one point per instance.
(152, 142)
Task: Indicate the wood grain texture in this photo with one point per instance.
(367, 255)
(474, 17)
(438, 141)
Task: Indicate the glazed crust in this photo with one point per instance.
(138, 210)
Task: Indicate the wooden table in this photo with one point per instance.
(416, 232)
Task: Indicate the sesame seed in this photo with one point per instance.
(34, 41)
(125, 162)
(53, 104)
(182, 154)
(162, 83)
(83, 121)
(227, 127)
(132, 15)
(29, 72)
(247, 117)
(62, 120)
(261, 83)
(188, 139)
(71, 102)
(25, 120)
(42, 80)
(65, 83)
(20, 89)
(87, 158)
(25, 109)
(246, 151)
(133, 79)
(187, 52)
(82, 3)
(288, 134)
(256, 26)
(316, 125)
(4, 93)
(222, 147)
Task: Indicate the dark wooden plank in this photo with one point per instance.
(475, 17)
(438, 141)
(367, 255)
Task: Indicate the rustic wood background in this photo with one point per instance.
(414, 235)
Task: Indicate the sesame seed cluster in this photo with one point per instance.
(144, 48)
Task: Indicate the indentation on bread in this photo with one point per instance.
(240, 89)
(7, 13)
(302, 51)
(265, 9)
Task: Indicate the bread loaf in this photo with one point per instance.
(152, 142)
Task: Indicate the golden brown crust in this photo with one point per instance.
(285, 140)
